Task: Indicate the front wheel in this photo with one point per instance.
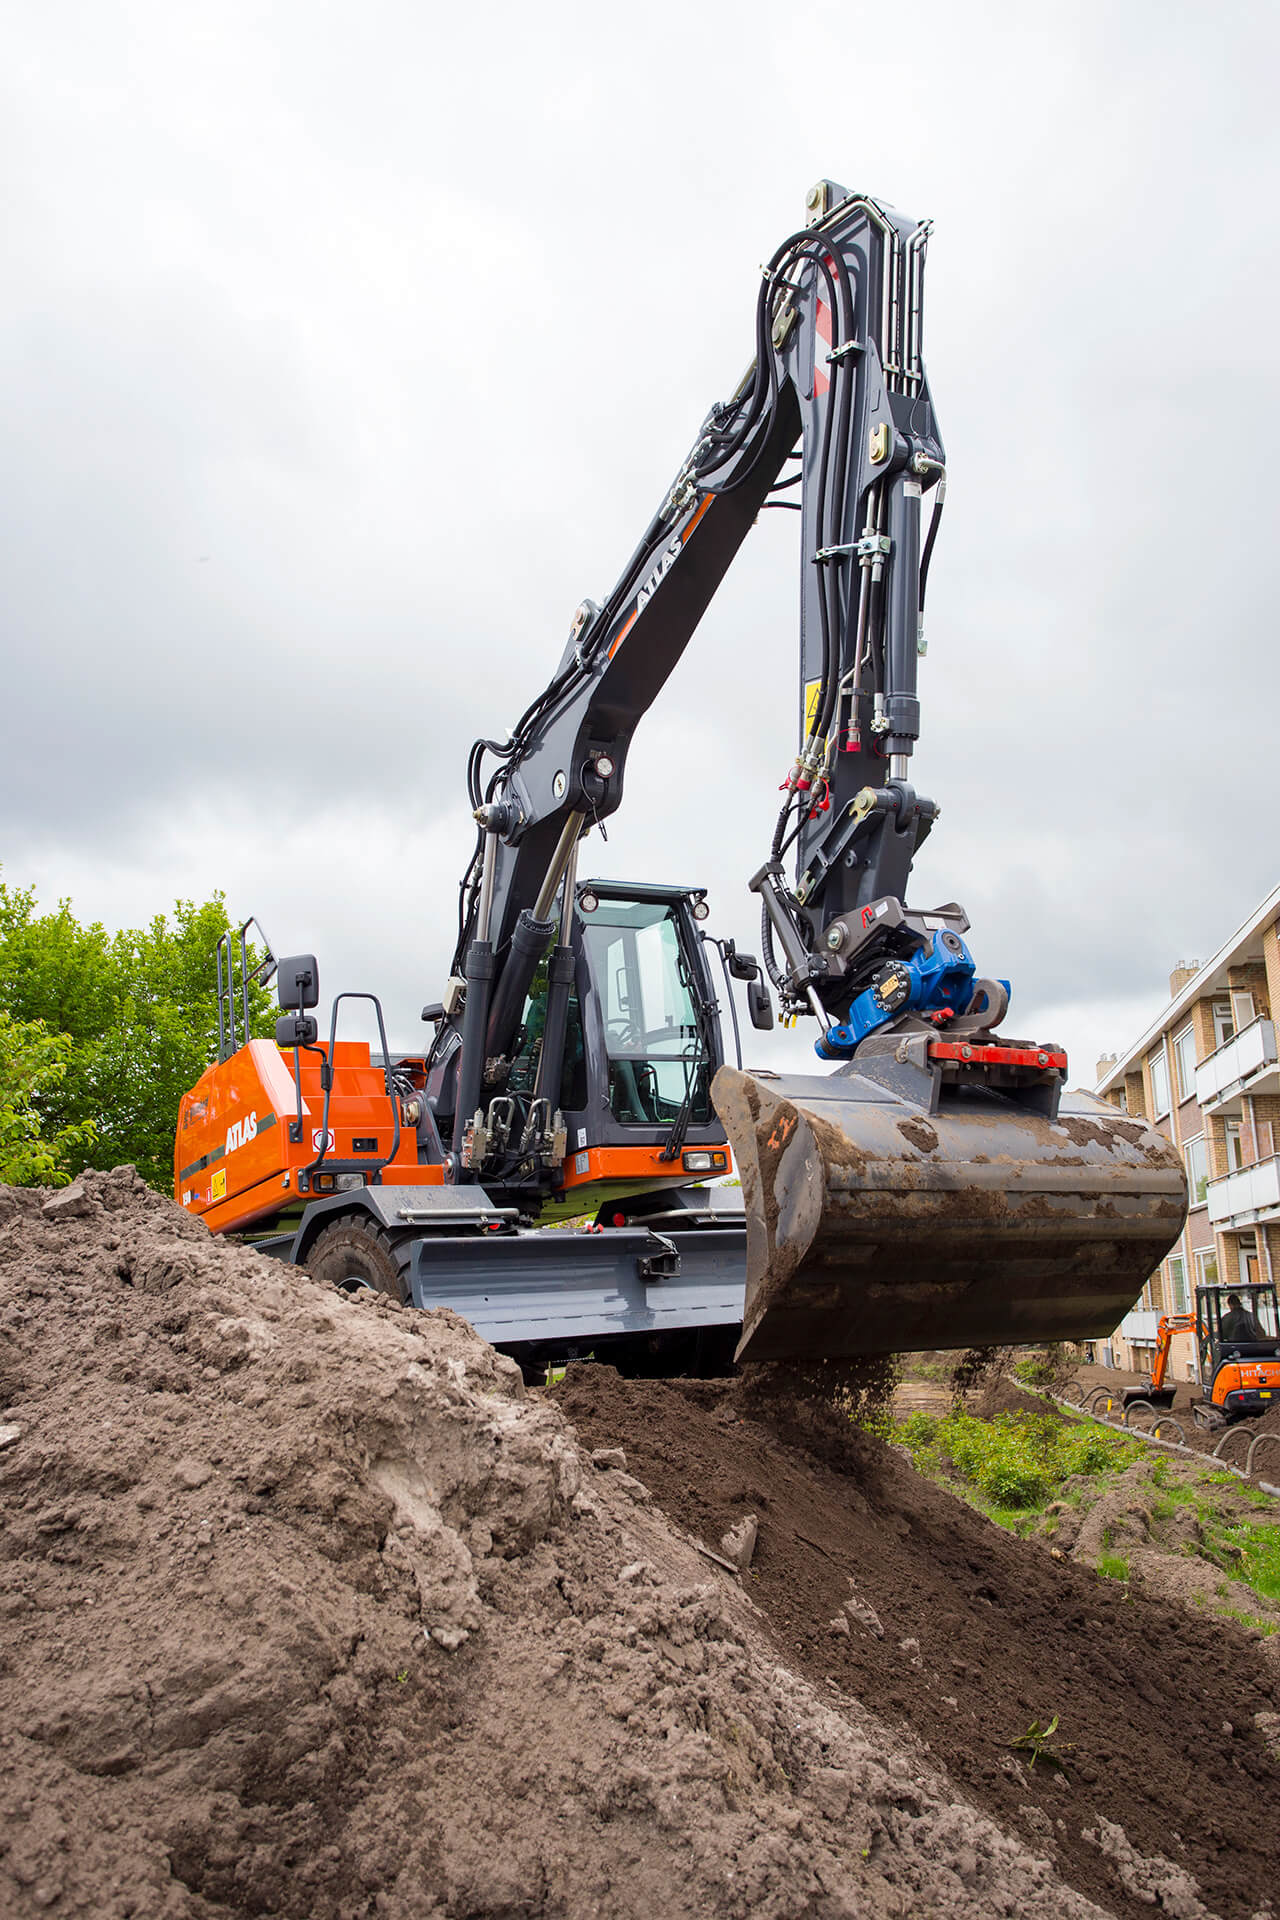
(352, 1254)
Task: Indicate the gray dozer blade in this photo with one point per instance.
(874, 1226)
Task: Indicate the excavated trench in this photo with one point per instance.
(309, 1607)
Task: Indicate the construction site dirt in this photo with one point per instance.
(309, 1607)
(968, 1635)
(1230, 1443)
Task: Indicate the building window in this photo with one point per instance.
(1196, 1155)
(1223, 1025)
(1206, 1268)
(1247, 1250)
(1234, 1145)
(1177, 1284)
(1184, 1059)
(1241, 1009)
(1158, 1067)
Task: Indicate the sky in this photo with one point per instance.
(344, 350)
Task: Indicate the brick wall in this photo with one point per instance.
(1271, 964)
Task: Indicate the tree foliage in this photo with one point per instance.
(132, 1022)
(33, 1065)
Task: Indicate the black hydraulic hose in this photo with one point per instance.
(768, 955)
(940, 492)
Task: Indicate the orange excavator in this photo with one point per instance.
(1238, 1345)
(935, 1185)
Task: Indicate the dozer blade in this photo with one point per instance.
(876, 1226)
(1161, 1398)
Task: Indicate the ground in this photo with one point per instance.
(309, 1607)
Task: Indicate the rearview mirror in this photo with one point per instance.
(295, 1030)
(298, 981)
(760, 1006)
(744, 966)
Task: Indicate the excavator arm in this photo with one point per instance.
(837, 385)
(933, 1191)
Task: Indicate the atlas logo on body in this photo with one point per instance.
(659, 573)
(240, 1132)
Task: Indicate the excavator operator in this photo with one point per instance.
(1238, 1323)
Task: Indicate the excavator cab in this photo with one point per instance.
(1239, 1341)
(641, 1045)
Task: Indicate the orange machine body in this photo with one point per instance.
(237, 1161)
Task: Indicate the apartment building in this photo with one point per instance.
(1206, 1073)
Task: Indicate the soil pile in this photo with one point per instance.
(308, 1607)
(878, 1584)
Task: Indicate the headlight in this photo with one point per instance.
(705, 1160)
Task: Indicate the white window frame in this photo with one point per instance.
(1224, 1026)
(1186, 1080)
(1243, 1012)
(1177, 1273)
(1233, 1141)
(1197, 1181)
(1203, 1277)
(1160, 1055)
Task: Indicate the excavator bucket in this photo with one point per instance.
(880, 1224)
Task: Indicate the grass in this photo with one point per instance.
(1017, 1463)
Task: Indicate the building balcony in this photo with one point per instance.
(1247, 1063)
(1248, 1196)
(1139, 1326)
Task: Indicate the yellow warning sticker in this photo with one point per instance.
(218, 1185)
(812, 688)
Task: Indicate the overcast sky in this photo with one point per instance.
(346, 348)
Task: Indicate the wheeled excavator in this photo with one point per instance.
(934, 1187)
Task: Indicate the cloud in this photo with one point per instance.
(344, 354)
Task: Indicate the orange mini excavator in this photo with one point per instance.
(1238, 1346)
(935, 1186)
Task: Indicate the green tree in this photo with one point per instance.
(138, 1011)
(33, 1065)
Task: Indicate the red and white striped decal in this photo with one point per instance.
(821, 348)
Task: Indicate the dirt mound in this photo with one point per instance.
(878, 1584)
(307, 1607)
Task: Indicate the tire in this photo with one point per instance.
(354, 1253)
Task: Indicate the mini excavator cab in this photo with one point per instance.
(1239, 1340)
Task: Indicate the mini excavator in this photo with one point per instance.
(935, 1187)
(1238, 1346)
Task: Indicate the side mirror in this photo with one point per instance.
(434, 1010)
(298, 981)
(744, 966)
(760, 1006)
(295, 1030)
